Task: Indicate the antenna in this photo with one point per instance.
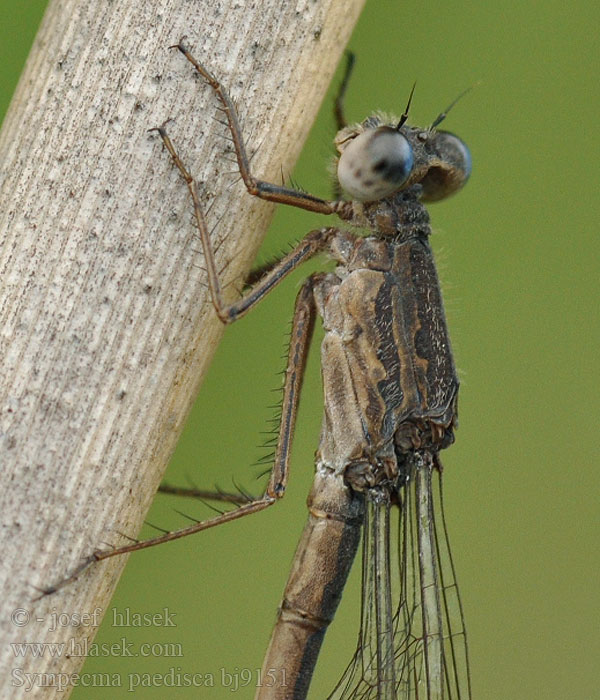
(442, 115)
(404, 116)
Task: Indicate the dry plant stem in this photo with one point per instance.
(106, 326)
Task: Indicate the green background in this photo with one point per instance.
(518, 257)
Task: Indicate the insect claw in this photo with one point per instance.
(180, 45)
(162, 128)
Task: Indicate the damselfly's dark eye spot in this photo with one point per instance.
(375, 164)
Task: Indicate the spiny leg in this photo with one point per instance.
(301, 333)
(238, 499)
(310, 245)
(258, 188)
(338, 104)
(338, 109)
(302, 328)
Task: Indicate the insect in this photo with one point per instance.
(390, 406)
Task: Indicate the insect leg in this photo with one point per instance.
(302, 327)
(310, 245)
(338, 105)
(258, 188)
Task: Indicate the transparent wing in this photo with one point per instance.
(415, 648)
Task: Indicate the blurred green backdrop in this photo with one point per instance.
(518, 257)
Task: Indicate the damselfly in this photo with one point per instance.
(390, 405)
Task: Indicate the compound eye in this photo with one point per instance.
(375, 164)
(451, 169)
